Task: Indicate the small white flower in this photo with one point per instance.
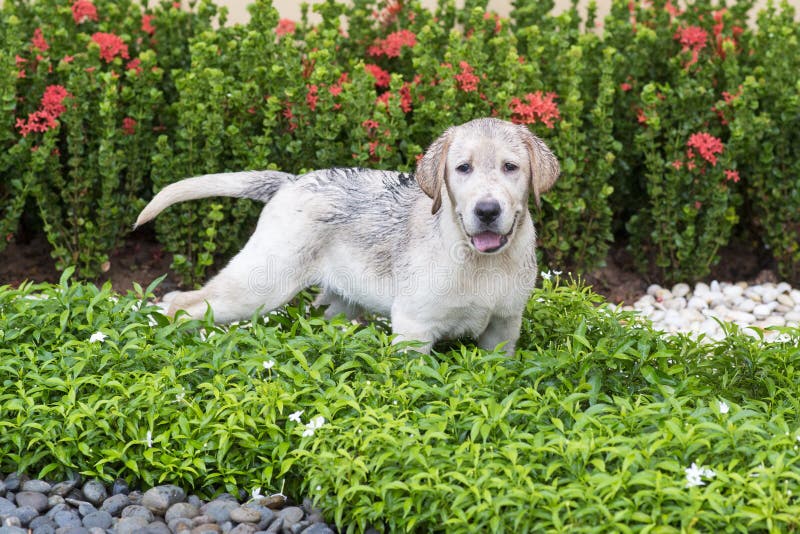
(149, 439)
(319, 488)
(296, 416)
(255, 493)
(557, 273)
(695, 474)
(97, 337)
(723, 407)
(546, 275)
(180, 397)
(269, 364)
(313, 425)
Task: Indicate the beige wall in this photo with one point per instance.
(290, 9)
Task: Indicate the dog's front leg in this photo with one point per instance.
(501, 329)
(406, 328)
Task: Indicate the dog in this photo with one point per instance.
(446, 252)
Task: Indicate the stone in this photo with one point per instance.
(98, 519)
(318, 528)
(26, 514)
(51, 513)
(696, 303)
(772, 320)
(120, 487)
(681, 290)
(180, 524)
(181, 510)
(243, 514)
(219, 511)
(33, 499)
(156, 527)
(786, 300)
(95, 492)
(63, 488)
(37, 486)
(160, 498)
(13, 482)
(733, 292)
(2, 488)
(12, 521)
(291, 515)
(115, 504)
(792, 317)
(207, 528)
(136, 510)
(13, 530)
(41, 521)
(67, 518)
(762, 311)
(244, 528)
(6, 506)
(131, 525)
(53, 500)
(275, 527)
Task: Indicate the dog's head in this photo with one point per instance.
(487, 167)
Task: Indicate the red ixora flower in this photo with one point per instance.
(83, 10)
(393, 44)
(537, 107)
(382, 78)
(285, 27)
(692, 38)
(707, 145)
(732, 176)
(147, 24)
(129, 125)
(111, 45)
(38, 40)
(467, 81)
(49, 110)
(312, 97)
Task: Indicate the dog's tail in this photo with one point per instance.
(256, 185)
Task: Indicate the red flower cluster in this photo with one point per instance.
(537, 107)
(393, 44)
(388, 15)
(110, 46)
(694, 39)
(312, 97)
(129, 125)
(732, 176)
(38, 40)
(285, 27)
(706, 145)
(382, 78)
(147, 24)
(49, 110)
(83, 10)
(467, 81)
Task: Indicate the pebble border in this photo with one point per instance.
(755, 308)
(32, 506)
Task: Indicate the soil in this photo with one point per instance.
(142, 259)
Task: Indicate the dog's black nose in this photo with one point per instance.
(487, 210)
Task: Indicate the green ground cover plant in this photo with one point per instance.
(675, 124)
(597, 423)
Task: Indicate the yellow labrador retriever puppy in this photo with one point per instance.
(444, 253)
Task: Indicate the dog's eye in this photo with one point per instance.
(464, 168)
(510, 167)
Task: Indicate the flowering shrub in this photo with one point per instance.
(662, 117)
(86, 95)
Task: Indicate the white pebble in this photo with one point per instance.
(732, 292)
(795, 294)
(783, 287)
(680, 290)
(740, 317)
(764, 310)
(746, 305)
(786, 300)
(675, 304)
(714, 286)
(772, 320)
(792, 316)
(651, 290)
(697, 303)
(701, 289)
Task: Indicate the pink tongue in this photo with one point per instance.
(486, 241)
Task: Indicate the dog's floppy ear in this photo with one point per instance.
(544, 165)
(431, 169)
